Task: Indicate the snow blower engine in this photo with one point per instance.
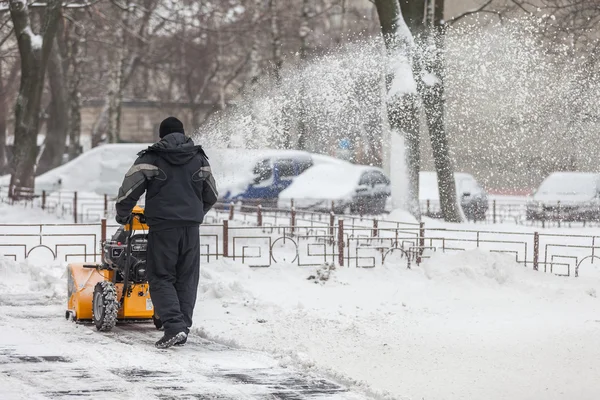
(116, 289)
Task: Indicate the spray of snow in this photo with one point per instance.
(398, 171)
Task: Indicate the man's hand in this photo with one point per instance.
(124, 220)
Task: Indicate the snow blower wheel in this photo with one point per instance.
(105, 306)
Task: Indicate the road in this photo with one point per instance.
(44, 356)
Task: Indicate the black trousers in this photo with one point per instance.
(173, 264)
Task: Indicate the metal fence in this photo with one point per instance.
(263, 237)
(78, 207)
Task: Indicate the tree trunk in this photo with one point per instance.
(302, 115)
(275, 41)
(255, 51)
(284, 133)
(34, 51)
(402, 106)
(75, 53)
(58, 124)
(432, 88)
(3, 119)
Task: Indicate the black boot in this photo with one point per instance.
(182, 342)
(169, 340)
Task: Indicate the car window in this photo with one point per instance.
(379, 178)
(303, 165)
(286, 169)
(366, 179)
(262, 171)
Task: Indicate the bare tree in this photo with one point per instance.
(75, 55)
(7, 85)
(136, 36)
(431, 87)
(34, 51)
(53, 149)
(402, 99)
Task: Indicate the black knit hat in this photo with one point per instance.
(170, 125)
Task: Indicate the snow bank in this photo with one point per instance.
(477, 266)
(25, 214)
(477, 319)
(99, 170)
(19, 279)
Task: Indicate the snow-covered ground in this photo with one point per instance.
(469, 325)
(473, 325)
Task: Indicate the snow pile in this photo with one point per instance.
(26, 279)
(476, 267)
(478, 319)
(99, 170)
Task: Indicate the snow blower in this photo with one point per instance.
(117, 288)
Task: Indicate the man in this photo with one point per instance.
(180, 190)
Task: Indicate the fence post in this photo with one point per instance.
(293, 220)
(43, 199)
(103, 230)
(536, 250)
(259, 221)
(375, 228)
(421, 242)
(75, 207)
(231, 210)
(341, 242)
(494, 210)
(225, 238)
(105, 205)
(331, 225)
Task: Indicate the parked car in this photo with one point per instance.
(472, 197)
(354, 188)
(268, 175)
(566, 196)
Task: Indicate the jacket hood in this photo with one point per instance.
(176, 149)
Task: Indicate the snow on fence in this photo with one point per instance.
(85, 207)
(262, 237)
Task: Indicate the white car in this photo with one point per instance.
(471, 196)
(355, 188)
(566, 196)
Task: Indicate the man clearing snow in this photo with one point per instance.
(180, 191)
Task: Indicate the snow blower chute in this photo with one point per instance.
(116, 289)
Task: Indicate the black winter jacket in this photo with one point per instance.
(178, 180)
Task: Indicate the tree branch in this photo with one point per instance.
(482, 8)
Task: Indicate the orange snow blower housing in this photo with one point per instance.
(116, 289)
